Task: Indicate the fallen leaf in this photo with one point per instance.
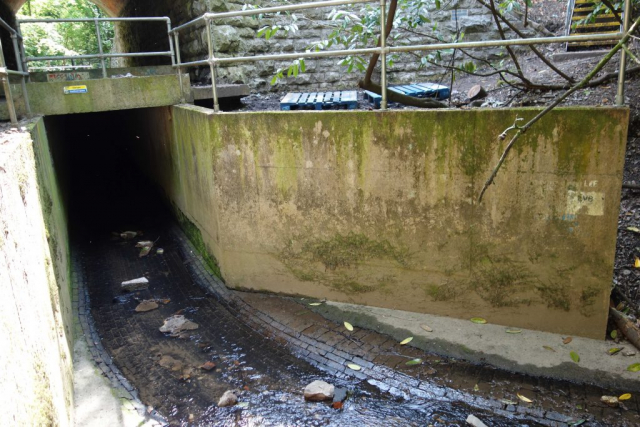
(349, 326)
(144, 243)
(160, 251)
(315, 303)
(478, 320)
(634, 229)
(546, 347)
(414, 362)
(634, 367)
(128, 235)
(207, 366)
(636, 264)
(567, 340)
(354, 366)
(524, 398)
(625, 396)
(243, 405)
(574, 357)
(337, 405)
(578, 423)
(615, 350)
(145, 251)
(514, 331)
(426, 328)
(476, 388)
(614, 333)
(508, 402)
(146, 305)
(406, 341)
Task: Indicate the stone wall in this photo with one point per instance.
(237, 37)
(381, 208)
(35, 308)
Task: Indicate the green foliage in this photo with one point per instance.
(75, 38)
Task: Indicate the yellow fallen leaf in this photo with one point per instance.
(478, 320)
(524, 398)
(636, 264)
(354, 366)
(634, 229)
(406, 341)
(625, 396)
(315, 303)
(349, 326)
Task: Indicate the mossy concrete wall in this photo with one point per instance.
(35, 308)
(380, 208)
(49, 98)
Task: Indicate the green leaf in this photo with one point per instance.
(302, 66)
(406, 341)
(514, 331)
(614, 350)
(546, 347)
(614, 334)
(349, 326)
(274, 80)
(414, 362)
(574, 357)
(438, 4)
(354, 366)
(478, 320)
(634, 367)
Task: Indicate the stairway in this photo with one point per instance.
(603, 24)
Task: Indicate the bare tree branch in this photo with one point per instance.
(554, 104)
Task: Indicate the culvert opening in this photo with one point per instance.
(107, 193)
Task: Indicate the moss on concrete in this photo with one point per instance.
(195, 236)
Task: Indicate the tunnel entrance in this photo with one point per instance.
(106, 194)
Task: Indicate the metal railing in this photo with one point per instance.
(5, 72)
(100, 55)
(383, 50)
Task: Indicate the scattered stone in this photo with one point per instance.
(339, 395)
(207, 366)
(176, 324)
(135, 284)
(626, 272)
(229, 398)
(475, 422)
(146, 305)
(629, 353)
(160, 251)
(170, 363)
(318, 391)
(611, 401)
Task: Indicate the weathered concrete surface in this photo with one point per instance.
(48, 98)
(380, 208)
(531, 352)
(96, 73)
(35, 308)
(224, 91)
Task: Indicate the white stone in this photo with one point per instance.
(228, 399)
(318, 391)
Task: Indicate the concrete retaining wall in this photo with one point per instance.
(380, 208)
(35, 308)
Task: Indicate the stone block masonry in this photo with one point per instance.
(380, 208)
(237, 37)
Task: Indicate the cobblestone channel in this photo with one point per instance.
(269, 348)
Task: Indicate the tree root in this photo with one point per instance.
(626, 326)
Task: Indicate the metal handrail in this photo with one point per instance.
(100, 55)
(382, 50)
(6, 72)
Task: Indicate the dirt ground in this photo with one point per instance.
(551, 14)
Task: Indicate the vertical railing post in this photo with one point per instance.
(4, 75)
(176, 37)
(623, 55)
(102, 62)
(23, 85)
(383, 55)
(23, 55)
(212, 67)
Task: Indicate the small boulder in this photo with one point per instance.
(146, 305)
(176, 324)
(229, 398)
(318, 391)
(135, 284)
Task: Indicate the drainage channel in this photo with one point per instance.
(267, 364)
